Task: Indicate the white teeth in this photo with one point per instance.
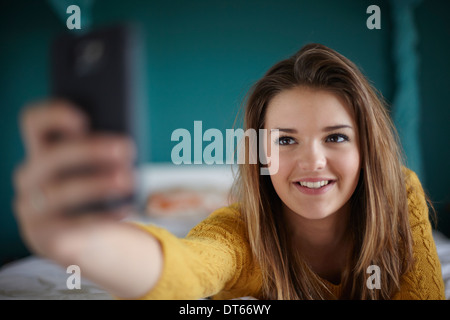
(313, 185)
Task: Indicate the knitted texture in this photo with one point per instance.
(424, 281)
(215, 257)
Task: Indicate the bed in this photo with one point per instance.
(175, 205)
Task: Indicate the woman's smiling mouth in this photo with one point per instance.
(314, 186)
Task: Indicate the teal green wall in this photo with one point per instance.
(202, 56)
(434, 47)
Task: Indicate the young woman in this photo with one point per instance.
(340, 218)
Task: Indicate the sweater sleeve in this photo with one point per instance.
(213, 258)
(424, 281)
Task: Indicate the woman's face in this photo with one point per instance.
(319, 159)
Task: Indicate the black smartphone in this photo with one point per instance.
(97, 71)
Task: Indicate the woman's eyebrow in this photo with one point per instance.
(336, 127)
(288, 130)
(325, 129)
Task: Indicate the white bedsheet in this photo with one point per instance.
(34, 278)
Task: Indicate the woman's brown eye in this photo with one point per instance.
(284, 141)
(337, 138)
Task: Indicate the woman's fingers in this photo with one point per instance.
(101, 152)
(50, 119)
(62, 196)
(82, 168)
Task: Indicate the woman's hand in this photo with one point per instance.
(53, 178)
(65, 167)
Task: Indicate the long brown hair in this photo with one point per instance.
(378, 221)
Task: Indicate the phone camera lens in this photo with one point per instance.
(88, 56)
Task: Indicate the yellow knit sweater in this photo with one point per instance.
(215, 258)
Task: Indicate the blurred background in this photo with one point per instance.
(202, 56)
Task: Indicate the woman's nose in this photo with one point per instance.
(311, 157)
